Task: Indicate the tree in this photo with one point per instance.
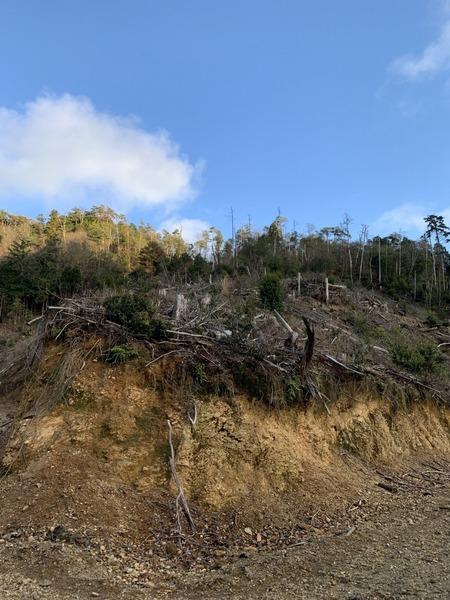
(54, 226)
(270, 292)
(151, 257)
(346, 229)
(363, 241)
(436, 233)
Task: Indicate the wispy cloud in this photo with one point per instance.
(191, 229)
(62, 150)
(406, 218)
(434, 59)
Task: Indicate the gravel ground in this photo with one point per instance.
(398, 550)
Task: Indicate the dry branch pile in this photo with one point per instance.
(224, 340)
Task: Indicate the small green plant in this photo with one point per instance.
(363, 327)
(293, 388)
(117, 355)
(418, 357)
(432, 320)
(271, 292)
(199, 374)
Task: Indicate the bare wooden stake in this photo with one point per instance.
(327, 291)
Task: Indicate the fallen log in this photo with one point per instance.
(388, 487)
(293, 335)
(343, 366)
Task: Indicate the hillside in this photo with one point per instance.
(171, 425)
(255, 433)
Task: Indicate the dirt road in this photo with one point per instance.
(399, 550)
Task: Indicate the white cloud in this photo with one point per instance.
(61, 149)
(406, 218)
(191, 229)
(434, 59)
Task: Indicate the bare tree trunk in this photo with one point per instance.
(361, 264)
(379, 261)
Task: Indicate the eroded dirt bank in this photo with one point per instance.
(287, 502)
(100, 459)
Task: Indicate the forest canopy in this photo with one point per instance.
(47, 258)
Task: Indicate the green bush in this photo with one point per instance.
(70, 280)
(199, 374)
(136, 314)
(118, 355)
(364, 328)
(271, 292)
(293, 389)
(419, 357)
(140, 281)
(432, 320)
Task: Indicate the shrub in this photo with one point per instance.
(140, 281)
(199, 374)
(432, 320)
(253, 380)
(419, 357)
(157, 330)
(136, 314)
(70, 280)
(368, 331)
(240, 321)
(118, 355)
(270, 292)
(293, 389)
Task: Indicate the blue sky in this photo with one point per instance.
(315, 108)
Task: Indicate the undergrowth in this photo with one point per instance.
(364, 328)
(137, 314)
(421, 356)
(118, 355)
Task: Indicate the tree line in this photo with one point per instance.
(86, 250)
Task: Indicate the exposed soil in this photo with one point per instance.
(100, 464)
(398, 549)
(349, 500)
